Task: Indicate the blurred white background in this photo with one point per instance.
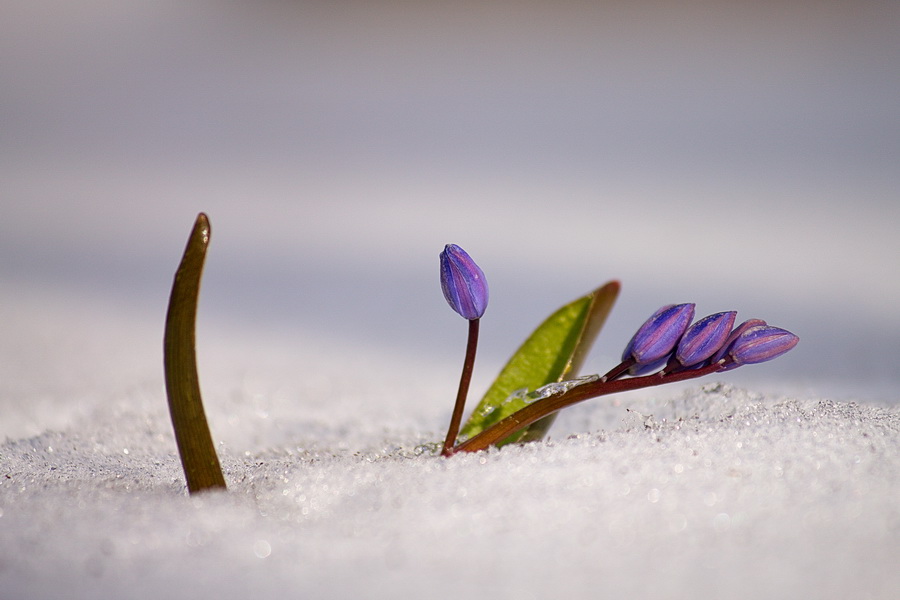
(739, 155)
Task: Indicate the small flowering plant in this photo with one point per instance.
(539, 380)
(667, 348)
(466, 291)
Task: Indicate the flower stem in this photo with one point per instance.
(463, 391)
(619, 370)
(542, 408)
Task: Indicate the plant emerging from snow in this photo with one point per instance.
(665, 349)
(538, 381)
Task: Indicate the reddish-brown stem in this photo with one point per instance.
(463, 391)
(619, 369)
(542, 408)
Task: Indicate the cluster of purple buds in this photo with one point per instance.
(668, 347)
(668, 341)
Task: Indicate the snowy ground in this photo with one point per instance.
(712, 492)
(742, 158)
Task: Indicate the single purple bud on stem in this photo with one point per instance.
(658, 336)
(759, 344)
(463, 283)
(723, 351)
(704, 338)
(466, 291)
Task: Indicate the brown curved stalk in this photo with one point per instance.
(195, 445)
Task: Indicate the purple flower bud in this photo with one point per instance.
(463, 283)
(659, 335)
(733, 336)
(761, 343)
(704, 338)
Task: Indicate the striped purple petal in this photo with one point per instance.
(658, 336)
(463, 283)
(760, 344)
(704, 338)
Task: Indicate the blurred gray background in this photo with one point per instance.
(740, 155)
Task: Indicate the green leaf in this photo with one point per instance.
(555, 351)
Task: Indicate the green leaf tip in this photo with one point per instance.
(195, 446)
(554, 352)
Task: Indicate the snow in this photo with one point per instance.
(741, 158)
(731, 494)
(334, 492)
